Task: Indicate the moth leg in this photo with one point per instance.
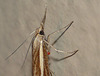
(60, 51)
(67, 26)
(48, 37)
(51, 72)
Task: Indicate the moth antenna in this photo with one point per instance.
(20, 45)
(27, 52)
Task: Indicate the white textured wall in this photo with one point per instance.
(18, 18)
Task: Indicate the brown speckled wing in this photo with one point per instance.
(36, 62)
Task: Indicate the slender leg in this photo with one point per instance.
(65, 57)
(51, 72)
(48, 37)
(60, 51)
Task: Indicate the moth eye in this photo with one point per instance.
(41, 32)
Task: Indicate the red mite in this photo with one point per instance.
(48, 53)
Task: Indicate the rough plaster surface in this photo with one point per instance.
(18, 18)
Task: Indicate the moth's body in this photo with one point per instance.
(40, 65)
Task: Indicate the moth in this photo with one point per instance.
(41, 49)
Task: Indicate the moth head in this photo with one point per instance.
(43, 20)
(41, 30)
